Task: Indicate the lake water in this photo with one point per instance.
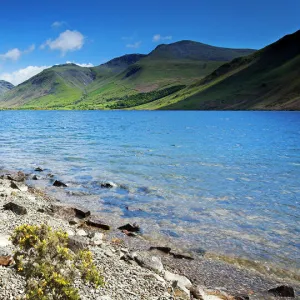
(226, 182)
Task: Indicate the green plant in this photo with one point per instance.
(49, 266)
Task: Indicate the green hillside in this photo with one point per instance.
(5, 86)
(164, 71)
(269, 79)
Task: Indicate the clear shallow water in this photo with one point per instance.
(227, 182)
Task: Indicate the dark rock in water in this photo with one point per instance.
(19, 177)
(38, 169)
(16, 208)
(68, 211)
(76, 243)
(34, 177)
(108, 185)
(97, 223)
(282, 291)
(181, 256)
(50, 175)
(59, 184)
(162, 249)
(130, 228)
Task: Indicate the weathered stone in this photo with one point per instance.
(132, 234)
(18, 186)
(182, 281)
(81, 232)
(98, 224)
(68, 211)
(97, 238)
(182, 256)
(59, 183)
(16, 208)
(161, 248)
(38, 169)
(130, 228)
(34, 177)
(76, 243)
(5, 261)
(19, 176)
(282, 291)
(146, 260)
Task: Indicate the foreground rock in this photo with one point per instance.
(16, 208)
(59, 183)
(282, 291)
(97, 223)
(69, 212)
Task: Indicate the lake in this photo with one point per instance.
(225, 182)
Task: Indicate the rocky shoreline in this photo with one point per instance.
(133, 267)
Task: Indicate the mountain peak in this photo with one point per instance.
(5, 86)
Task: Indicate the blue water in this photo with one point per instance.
(227, 182)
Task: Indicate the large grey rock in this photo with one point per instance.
(76, 243)
(149, 261)
(97, 223)
(179, 282)
(16, 208)
(282, 291)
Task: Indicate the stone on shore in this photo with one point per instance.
(77, 243)
(131, 228)
(149, 261)
(97, 223)
(19, 186)
(69, 212)
(6, 261)
(59, 183)
(282, 291)
(19, 176)
(16, 208)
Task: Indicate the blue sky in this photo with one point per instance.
(35, 34)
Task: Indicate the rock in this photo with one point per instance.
(97, 238)
(180, 291)
(5, 261)
(38, 169)
(16, 208)
(104, 298)
(18, 186)
(282, 291)
(34, 177)
(19, 177)
(70, 232)
(68, 211)
(50, 175)
(98, 224)
(182, 256)
(146, 260)
(108, 185)
(182, 281)
(130, 228)
(73, 221)
(161, 248)
(76, 243)
(41, 210)
(58, 183)
(81, 232)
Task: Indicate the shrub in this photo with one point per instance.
(49, 266)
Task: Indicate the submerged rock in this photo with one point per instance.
(108, 185)
(131, 228)
(16, 208)
(58, 183)
(38, 169)
(98, 224)
(282, 291)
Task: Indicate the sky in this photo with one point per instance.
(37, 34)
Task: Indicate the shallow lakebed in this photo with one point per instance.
(225, 182)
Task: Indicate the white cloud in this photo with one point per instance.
(67, 41)
(134, 45)
(58, 24)
(157, 38)
(88, 65)
(22, 75)
(15, 54)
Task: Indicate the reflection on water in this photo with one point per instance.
(227, 182)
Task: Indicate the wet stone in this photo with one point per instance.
(16, 208)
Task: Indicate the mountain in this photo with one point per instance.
(268, 79)
(5, 86)
(123, 82)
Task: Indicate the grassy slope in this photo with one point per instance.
(268, 79)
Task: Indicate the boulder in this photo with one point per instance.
(16, 208)
(68, 211)
(38, 169)
(161, 248)
(181, 282)
(19, 176)
(97, 238)
(81, 232)
(148, 261)
(282, 291)
(59, 183)
(97, 223)
(77, 243)
(108, 185)
(130, 228)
